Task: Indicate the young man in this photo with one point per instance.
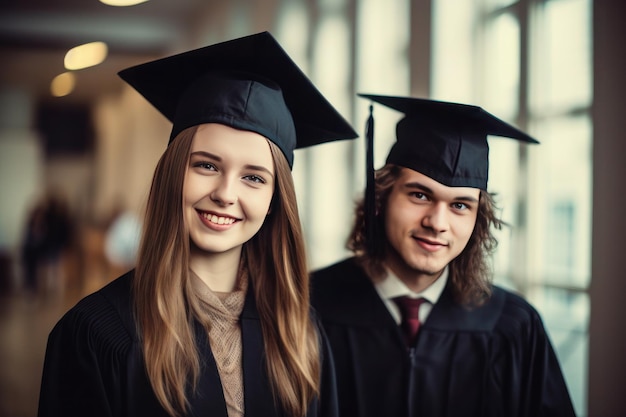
(423, 233)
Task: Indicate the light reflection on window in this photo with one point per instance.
(564, 162)
(567, 53)
(502, 70)
(381, 67)
(453, 46)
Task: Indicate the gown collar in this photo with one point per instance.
(353, 300)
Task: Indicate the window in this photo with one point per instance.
(529, 62)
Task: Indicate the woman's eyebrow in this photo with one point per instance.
(259, 168)
(206, 155)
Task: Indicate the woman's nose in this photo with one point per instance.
(224, 193)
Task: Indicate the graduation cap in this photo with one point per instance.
(444, 141)
(249, 83)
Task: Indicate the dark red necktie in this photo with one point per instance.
(410, 324)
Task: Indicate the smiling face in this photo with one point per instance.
(228, 188)
(427, 225)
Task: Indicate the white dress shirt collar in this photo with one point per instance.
(390, 286)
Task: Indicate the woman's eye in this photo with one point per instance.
(205, 165)
(255, 179)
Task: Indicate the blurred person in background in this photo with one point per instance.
(215, 319)
(415, 325)
(49, 233)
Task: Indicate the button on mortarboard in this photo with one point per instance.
(248, 83)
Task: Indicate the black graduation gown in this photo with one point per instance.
(492, 361)
(94, 365)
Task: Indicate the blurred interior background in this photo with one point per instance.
(78, 148)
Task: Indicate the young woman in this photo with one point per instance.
(215, 318)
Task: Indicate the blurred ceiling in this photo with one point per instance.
(36, 34)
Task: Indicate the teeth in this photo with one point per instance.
(219, 220)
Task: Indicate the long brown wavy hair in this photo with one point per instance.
(166, 308)
(469, 273)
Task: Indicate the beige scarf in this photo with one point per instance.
(223, 311)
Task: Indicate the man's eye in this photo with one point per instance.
(418, 195)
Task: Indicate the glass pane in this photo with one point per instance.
(292, 31)
(502, 69)
(327, 179)
(452, 49)
(565, 57)
(501, 90)
(382, 67)
(563, 202)
(504, 171)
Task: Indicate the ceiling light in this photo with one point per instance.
(63, 84)
(122, 3)
(86, 55)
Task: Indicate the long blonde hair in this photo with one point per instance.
(166, 309)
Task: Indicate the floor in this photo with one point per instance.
(25, 322)
(26, 318)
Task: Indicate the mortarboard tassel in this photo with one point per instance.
(370, 192)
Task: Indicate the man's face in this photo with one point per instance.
(427, 224)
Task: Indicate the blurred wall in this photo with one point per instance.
(607, 332)
(21, 171)
(132, 135)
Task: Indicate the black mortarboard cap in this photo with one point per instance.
(248, 83)
(444, 141)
